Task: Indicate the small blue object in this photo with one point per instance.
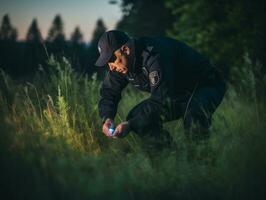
(111, 130)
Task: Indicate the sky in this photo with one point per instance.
(82, 13)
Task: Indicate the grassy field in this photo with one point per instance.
(51, 146)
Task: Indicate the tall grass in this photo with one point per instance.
(51, 146)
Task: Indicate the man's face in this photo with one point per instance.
(120, 60)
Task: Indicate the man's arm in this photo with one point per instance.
(110, 93)
(159, 98)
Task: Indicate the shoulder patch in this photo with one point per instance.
(154, 78)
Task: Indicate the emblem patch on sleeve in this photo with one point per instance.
(154, 78)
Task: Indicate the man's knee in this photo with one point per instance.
(145, 125)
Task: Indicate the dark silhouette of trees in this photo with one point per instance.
(10, 50)
(56, 32)
(34, 34)
(98, 31)
(93, 49)
(7, 32)
(34, 52)
(23, 58)
(78, 50)
(55, 42)
(76, 36)
(145, 18)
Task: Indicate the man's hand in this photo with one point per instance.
(122, 129)
(107, 124)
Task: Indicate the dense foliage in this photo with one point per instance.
(51, 147)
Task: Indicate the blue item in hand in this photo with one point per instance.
(112, 129)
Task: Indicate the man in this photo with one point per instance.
(182, 84)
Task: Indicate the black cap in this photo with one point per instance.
(108, 43)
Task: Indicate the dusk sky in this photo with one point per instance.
(82, 13)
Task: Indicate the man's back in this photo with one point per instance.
(181, 66)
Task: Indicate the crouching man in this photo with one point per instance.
(182, 84)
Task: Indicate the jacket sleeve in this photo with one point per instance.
(110, 94)
(158, 100)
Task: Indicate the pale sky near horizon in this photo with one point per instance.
(82, 13)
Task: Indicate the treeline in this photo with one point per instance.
(231, 33)
(23, 58)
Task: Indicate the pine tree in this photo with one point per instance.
(93, 50)
(56, 32)
(34, 34)
(7, 32)
(99, 30)
(76, 36)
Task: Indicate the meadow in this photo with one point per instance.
(51, 146)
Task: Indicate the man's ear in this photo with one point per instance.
(125, 50)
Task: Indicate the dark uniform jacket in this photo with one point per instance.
(164, 67)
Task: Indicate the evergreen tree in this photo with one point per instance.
(99, 30)
(34, 34)
(7, 32)
(76, 36)
(93, 49)
(56, 32)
